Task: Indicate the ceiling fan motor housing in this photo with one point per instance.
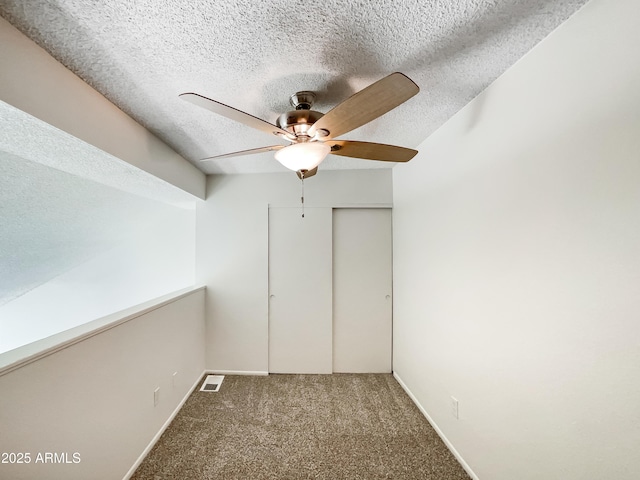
(298, 122)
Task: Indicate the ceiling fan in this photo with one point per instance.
(312, 134)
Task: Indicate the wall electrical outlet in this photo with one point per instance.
(454, 407)
(156, 396)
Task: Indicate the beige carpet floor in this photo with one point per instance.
(341, 426)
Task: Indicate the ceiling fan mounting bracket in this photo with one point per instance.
(302, 100)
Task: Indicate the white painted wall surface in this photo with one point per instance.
(150, 259)
(96, 396)
(232, 251)
(81, 236)
(517, 261)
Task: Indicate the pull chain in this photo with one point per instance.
(302, 197)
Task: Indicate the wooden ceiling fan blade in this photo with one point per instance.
(366, 105)
(244, 152)
(371, 151)
(234, 114)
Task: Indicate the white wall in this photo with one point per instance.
(97, 214)
(517, 261)
(95, 397)
(153, 258)
(232, 251)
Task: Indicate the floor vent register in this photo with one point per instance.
(212, 383)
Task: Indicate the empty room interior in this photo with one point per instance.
(443, 194)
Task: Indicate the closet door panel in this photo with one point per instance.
(362, 280)
(300, 291)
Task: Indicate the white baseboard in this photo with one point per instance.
(238, 372)
(446, 441)
(162, 429)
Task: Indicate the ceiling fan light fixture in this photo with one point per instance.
(303, 156)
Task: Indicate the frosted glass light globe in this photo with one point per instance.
(303, 156)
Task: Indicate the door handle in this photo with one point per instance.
(387, 297)
(272, 296)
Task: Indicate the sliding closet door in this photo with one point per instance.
(300, 290)
(362, 290)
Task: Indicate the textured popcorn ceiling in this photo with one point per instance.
(254, 55)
